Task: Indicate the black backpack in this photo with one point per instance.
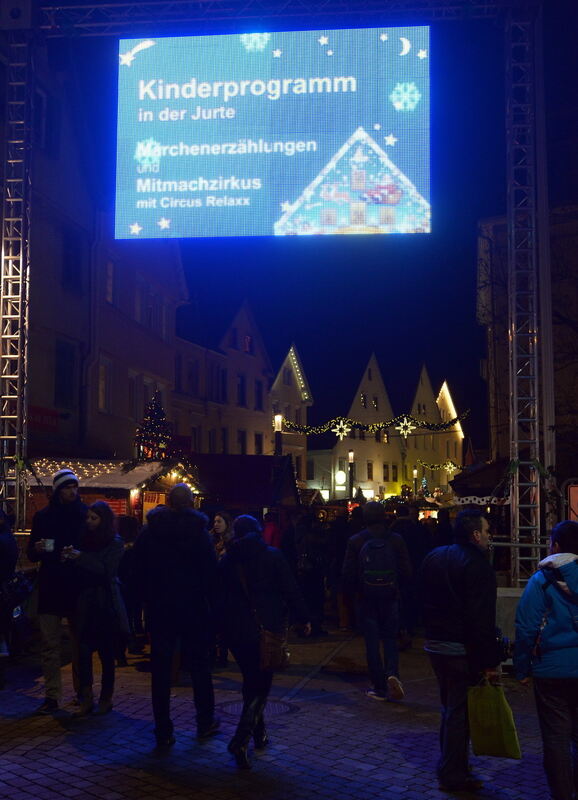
(378, 570)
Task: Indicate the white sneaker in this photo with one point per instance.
(375, 694)
(394, 688)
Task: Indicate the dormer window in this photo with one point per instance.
(248, 346)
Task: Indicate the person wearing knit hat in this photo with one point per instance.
(54, 527)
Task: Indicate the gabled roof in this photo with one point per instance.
(371, 388)
(444, 400)
(424, 394)
(245, 320)
(293, 361)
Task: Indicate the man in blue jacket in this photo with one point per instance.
(547, 648)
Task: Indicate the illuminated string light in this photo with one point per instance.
(449, 465)
(373, 427)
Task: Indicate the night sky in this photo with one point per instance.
(409, 298)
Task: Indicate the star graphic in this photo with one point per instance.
(422, 54)
(126, 59)
(285, 207)
(341, 429)
(164, 224)
(377, 127)
(330, 52)
(277, 53)
(135, 228)
(323, 40)
(390, 139)
(384, 37)
(405, 427)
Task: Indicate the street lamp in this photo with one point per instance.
(278, 427)
(351, 472)
(414, 483)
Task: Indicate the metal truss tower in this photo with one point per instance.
(526, 317)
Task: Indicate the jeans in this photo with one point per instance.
(379, 625)
(105, 647)
(557, 705)
(195, 656)
(454, 678)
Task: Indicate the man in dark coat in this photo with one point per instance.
(458, 588)
(378, 615)
(174, 565)
(57, 526)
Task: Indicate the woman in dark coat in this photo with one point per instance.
(100, 616)
(257, 589)
(8, 559)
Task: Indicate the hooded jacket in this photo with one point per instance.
(174, 567)
(271, 586)
(63, 522)
(547, 621)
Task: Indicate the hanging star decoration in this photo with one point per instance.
(405, 427)
(341, 429)
(405, 421)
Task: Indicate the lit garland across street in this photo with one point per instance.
(405, 421)
(449, 466)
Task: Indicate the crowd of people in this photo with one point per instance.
(202, 590)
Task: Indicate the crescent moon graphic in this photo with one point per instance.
(406, 45)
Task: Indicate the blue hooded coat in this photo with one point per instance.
(547, 621)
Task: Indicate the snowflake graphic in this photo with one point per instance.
(405, 427)
(405, 96)
(254, 41)
(148, 153)
(341, 430)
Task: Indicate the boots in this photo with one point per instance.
(86, 703)
(104, 703)
(238, 744)
(260, 736)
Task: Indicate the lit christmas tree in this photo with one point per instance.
(153, 435)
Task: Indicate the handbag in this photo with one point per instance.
(492, 727)
(274, 655)
(17, 589)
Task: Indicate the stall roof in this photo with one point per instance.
(95, 474)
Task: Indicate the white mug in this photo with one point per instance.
(48, 545)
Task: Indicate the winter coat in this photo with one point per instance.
(351, 571)
(271, 586)
(62, 522)
(100, 607)
(416, 538)
(8, 554)
(458, 591)
(174, 567)
(546, 643)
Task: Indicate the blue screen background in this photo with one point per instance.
(367, 170)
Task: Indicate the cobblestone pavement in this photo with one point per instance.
(327, 739)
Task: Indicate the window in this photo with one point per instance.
(369, 376)
(259, 395)
(212, 441)
(362, 434)
(242, 442)
(193, 378)
(248, 346)
(224, 385)
(394, 473)
(241, 390)
(342, 464)
(195, 440)
(132, 396)
(287, 376)
(352, 433)
(64, 374)
(386, 472)
(72, 260)
(310, 469)
(178, 372)
(455, 449)
(370, 470)
(375, 402)
(447, 448)
(378, 436)
(276, 408)
(224, 440)
(110, 283)
(258, 444)
(363, 399)
(104, 384)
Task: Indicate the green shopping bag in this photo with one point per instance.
(492, 727)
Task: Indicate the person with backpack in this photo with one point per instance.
(376, 564)
(546, 648)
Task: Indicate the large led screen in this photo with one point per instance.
(286, 134)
